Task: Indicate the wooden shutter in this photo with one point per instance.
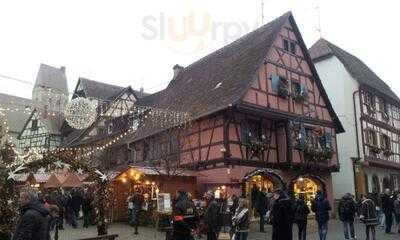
(275, 81)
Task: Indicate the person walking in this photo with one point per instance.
(241, 221)
(347, 210)
(137, 203)
(184, 217)
(211, 217)
(61, 204)
(87, 209)
(282, 217)
(396, 206)
(34, 221)
(369, 216)
(70, 212)
(387, 207)
(301, 212)
(321, 208)
(262, 207)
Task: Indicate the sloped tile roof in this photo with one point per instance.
(357, 69)
(103, 91)
(15, 120)
(221, 79)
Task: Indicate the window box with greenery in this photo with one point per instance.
(316, 145)
(280, 86)
(253, 136)
(299, 92)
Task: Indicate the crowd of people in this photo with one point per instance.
(276, 208)
(43, 215)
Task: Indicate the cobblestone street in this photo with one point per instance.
(125, 232)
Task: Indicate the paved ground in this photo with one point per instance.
(126, 233)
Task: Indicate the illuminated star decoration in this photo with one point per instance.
(12, 175)
(41, 170)
(103, 177)
(9, 201)
(58, 164)
(79, 171)
(67, 166)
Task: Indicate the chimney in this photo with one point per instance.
(177, 69)
(62, 68)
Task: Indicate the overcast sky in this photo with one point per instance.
(137, 42)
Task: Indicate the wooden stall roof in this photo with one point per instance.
(72, 181)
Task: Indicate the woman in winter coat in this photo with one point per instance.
(369, 217)
(241, 221)
(301, 212)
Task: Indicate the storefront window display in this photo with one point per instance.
(306, 187)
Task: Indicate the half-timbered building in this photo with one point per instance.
(370, 110)
(260, 117)
(42, 129)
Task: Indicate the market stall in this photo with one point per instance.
(157, 189)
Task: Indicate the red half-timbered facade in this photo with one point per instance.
(259, 117)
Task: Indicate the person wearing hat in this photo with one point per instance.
(184, 217)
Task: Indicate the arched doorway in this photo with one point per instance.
(375, 184)
(307, 186)
(259, 179)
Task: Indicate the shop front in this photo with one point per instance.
(307, 186)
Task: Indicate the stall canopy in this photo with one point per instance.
(72, 181)
(56, 180)
(137, 172)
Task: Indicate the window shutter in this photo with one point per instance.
(275, 80)
(328, 140)
(244, 138)
(303, 90)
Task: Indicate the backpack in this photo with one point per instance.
(347, 208)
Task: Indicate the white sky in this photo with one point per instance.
(121, 42)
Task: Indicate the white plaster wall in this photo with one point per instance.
(340, 87)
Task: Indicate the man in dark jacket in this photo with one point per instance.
(211, 217)
(262, 208)
(321, 208)
(347, 210)
(184, 217)
(387, 207)
(301, 212)
(34, 221)
(282, 217)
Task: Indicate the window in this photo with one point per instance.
(385, 142)
(280, 85)
(34, 126)
(286, 45)
(370, 101)
(293, 47)
(384, 108)
(371, 137)
(251, 131)
(289, 46)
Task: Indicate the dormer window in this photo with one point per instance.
(293, 47)
(286, 45)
